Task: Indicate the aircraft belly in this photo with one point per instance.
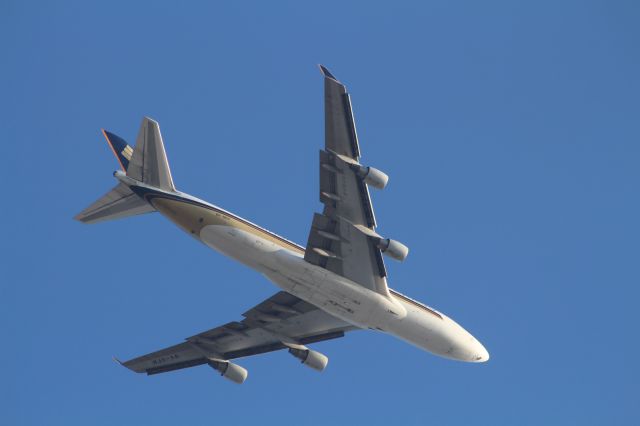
(245, 247)
(332, 293)
(343, 299)
(289, 271)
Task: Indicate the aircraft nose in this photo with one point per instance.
(463, 346)
(469, 350)
(480, 353)
(457, 343)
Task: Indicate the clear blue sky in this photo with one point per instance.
(511, 134)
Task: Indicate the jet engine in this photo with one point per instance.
(310, 358)
(373, 177)
(230, 371)
(393, 248)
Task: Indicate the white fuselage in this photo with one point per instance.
(395, 314)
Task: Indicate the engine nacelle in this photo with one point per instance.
(310, 358)
(373, 177)
(230, 371)
(393, 248)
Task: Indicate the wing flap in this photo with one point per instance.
(344, 193)
(276, 346)
(347, 250)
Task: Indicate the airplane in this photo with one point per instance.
(335, 284)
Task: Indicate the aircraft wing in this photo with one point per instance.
(277, 322)
(343, 238)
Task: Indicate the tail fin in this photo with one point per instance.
(147, 163)
(120, 149)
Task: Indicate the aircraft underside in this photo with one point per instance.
(335, 284)
(220, 230)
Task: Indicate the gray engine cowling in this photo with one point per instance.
(373, 177)
(230, 371)
(310, 358)
(393, 249)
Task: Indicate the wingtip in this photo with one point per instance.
(325, 71)
(125, 365)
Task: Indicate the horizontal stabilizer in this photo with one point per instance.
(118, 203)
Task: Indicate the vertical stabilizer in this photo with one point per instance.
(149, 163)
(120, 148)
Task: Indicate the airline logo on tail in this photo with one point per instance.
(120, 148)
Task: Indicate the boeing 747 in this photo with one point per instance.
(335, 284)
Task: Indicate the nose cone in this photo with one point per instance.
(480, 353)
(468, 350)
(463, 346)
